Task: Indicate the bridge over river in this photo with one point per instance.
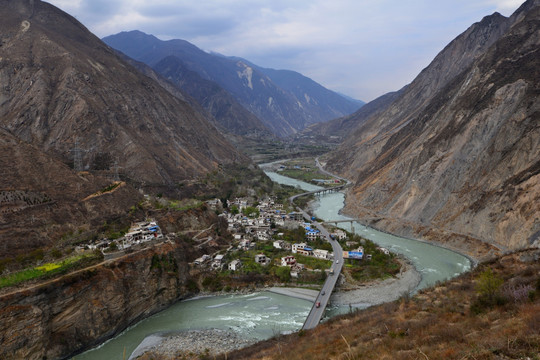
(317, 310)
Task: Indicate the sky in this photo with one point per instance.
(360, 48)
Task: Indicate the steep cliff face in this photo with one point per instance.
(70, 314)
(60, 83)
(458, 153)
(451, 61)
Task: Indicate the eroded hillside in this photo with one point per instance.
(455, 158)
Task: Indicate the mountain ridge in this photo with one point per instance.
(281, 110)
(61, 87)
(74, 117)
(453, 159)
(229, 115)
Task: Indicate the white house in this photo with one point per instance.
(215, 204)
(262, 235)
(278, 244)
(262, 259)
(313, 234)
(202, 259)
(288, 261)
(339, 234)
(244, 244)
(296, 247)
(321, 254)
(235, 265)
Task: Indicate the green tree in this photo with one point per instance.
(488, 286)
(112, 246)
(251, 211)
(283, 273)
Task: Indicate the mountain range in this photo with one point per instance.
(285, 101)
(68, 100)
(62, 83)
(454, 157)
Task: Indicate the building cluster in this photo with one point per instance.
(138, 234)
(249, 229)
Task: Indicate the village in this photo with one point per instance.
(139, 235)
(255, 227)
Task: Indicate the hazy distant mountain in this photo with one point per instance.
(336, 130)
(456, 156)
(284, 100)
(227, 112)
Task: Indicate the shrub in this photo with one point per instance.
(55, 253)
(283, 273)
(488, 289)
(518, 293)
(192, 286)
(489, 285)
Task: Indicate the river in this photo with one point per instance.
(433, 262)
(262, 315)
(259, 315)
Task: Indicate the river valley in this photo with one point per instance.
(262, 315)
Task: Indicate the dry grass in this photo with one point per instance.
(436, 324)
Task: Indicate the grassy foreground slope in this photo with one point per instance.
(490, 313)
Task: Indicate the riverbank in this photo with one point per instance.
(195, 343)
(373, 293)
(380, 291)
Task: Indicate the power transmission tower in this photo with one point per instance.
(115, 168)
(77, 156)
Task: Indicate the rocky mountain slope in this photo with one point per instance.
(229, 115)
(55, 319)
(456, 156)
(336, 130)
(42, 199)
(284, 100)
(61, 83)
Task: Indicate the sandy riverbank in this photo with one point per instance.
(380, 291)
(374, 293)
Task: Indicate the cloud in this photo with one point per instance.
(506, 7)
(362, 48)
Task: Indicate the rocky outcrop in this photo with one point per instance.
(67, 315)
(456, 156)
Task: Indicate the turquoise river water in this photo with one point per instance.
(262, 315)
